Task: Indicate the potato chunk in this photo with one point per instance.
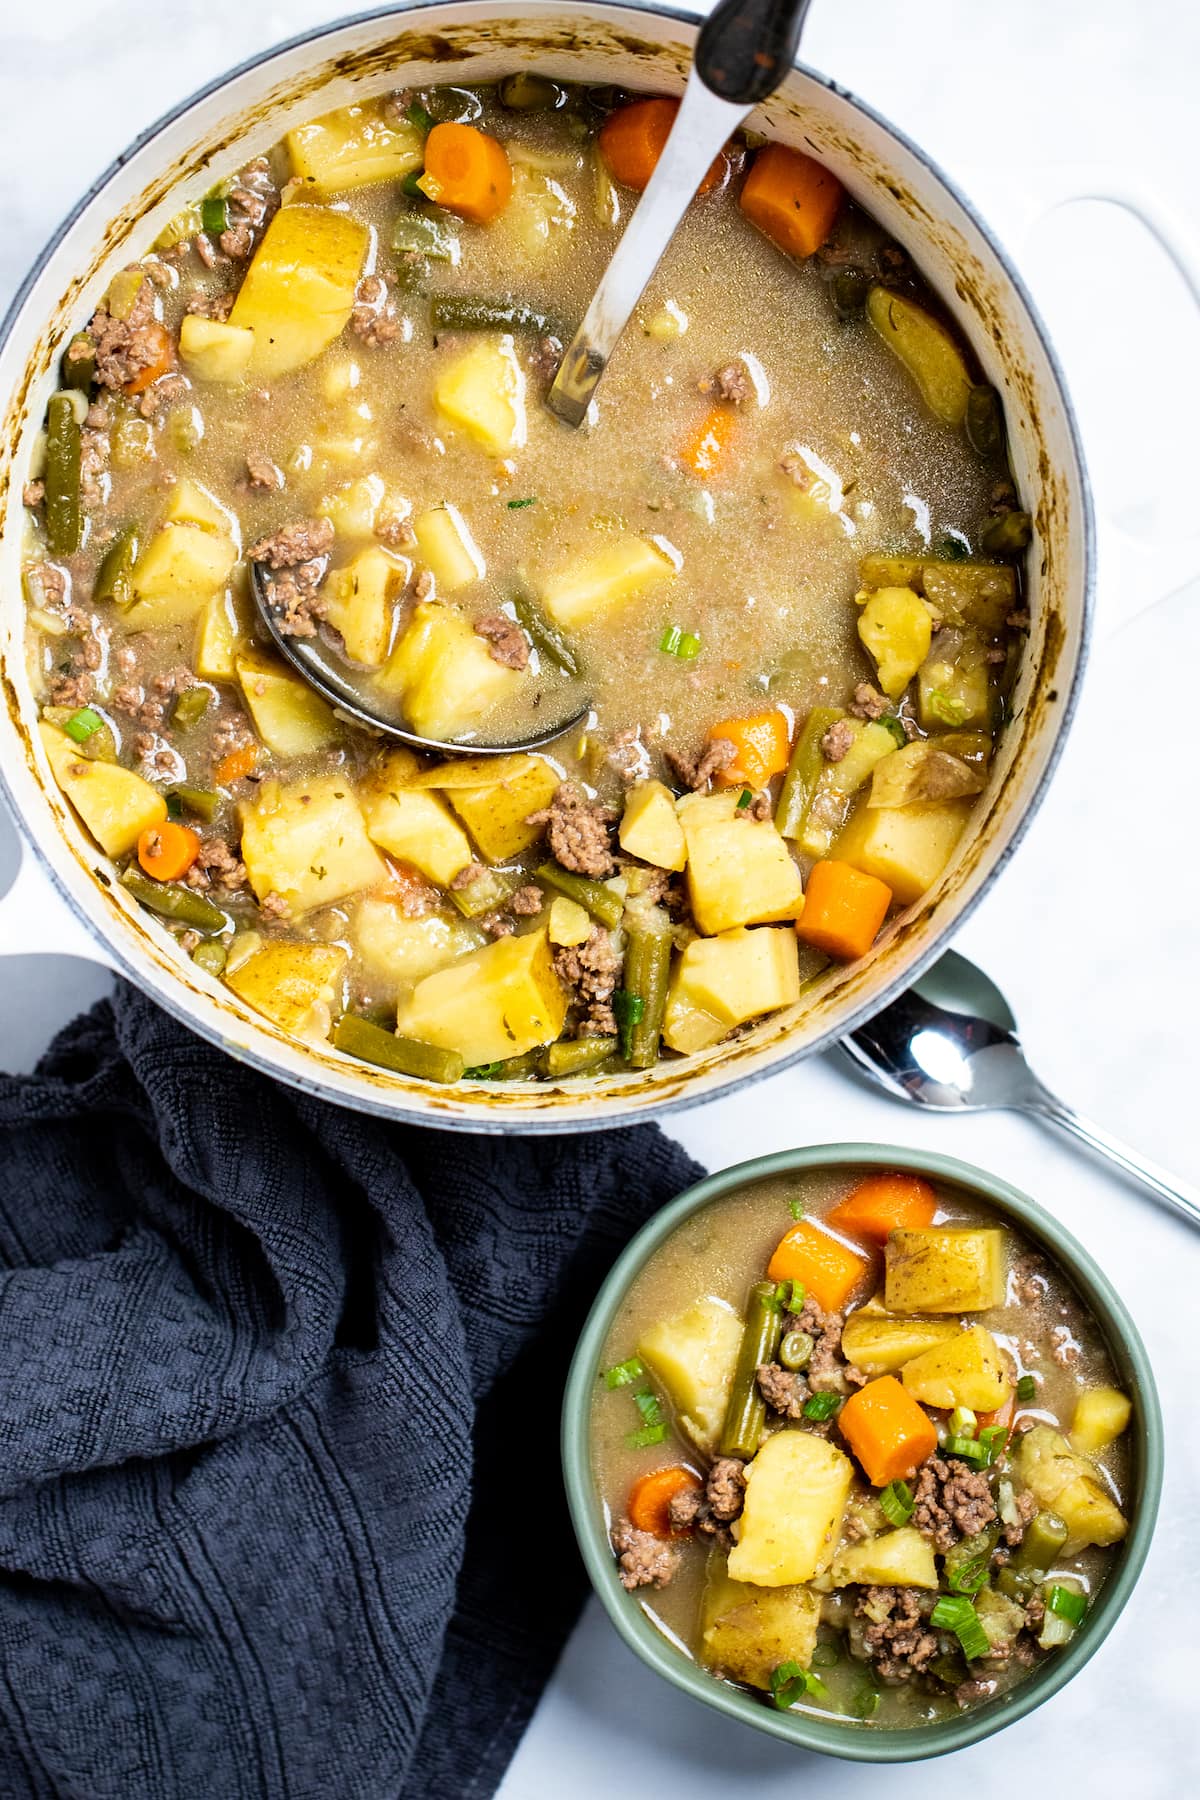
(115, 804)
(747, 1631)
(730, 978)
(298, 293)
(493, 796)
(413, 824)
(1067, 1483)
(360, 602)
(1101, 1415)
(447, 549)
(693, 1355)
(180, 569)
(901, 1557)
(908, 847)
(496, 1003)
(965, 1370)
(353, 147)
(796, 1491)
(401, 949)
(926, 349)
(945, 1269)
(221, 637)
(896, 627)
(215, 351)
(290, 719)
(879, 1344)
(296, 984)
(307, 842)
(483, 393)
(650, 827)
(587, 590)
(740, 871)
(443, 674)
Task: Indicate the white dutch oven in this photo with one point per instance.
(481, 40)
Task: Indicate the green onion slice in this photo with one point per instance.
(789, 1683)
(892, 722)
(796, 1207)
(671, 639)
(214, 214)
(646, 1401)
(955, 1613)
(418, 116)
(82, 724)
(962, 1422)
(970, 1576)
(622, 1373)
(744, 799)
(970, 1451)
(822, 1406)
(896, 1503)
(516, 505)
(1027, 1389)
(1067, 1604)
(649, 1434)
(689, 647)
(993, 1439)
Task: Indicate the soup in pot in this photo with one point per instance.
(780, 567)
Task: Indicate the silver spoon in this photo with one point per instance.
(320, 673)
(744, 50)
(950, 1042)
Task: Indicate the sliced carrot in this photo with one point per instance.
(467, 171)
(882, 1204)
(762, 745)
(887, 1431)
(793, 199)
(164, 359)
(829, 1269)
(710, 443)
(843, 910)
(168, 851)
(235, 766)
(632, 139)
(650, 1499)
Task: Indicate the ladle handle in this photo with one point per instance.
(746, 47)
(1177, 1194)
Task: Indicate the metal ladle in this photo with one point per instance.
(950, 1042)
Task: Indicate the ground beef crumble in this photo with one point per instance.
(951, 1501)
(297, 557)
(837, 740)
(578, 830)
(784, 1391)
(251, 203)
(712, 1509)
(216, 866)
(506, 642)
(1026, 1505)
(124, 347)
(374, 319)
(591, 971)
(730, 382)
(695, 773)
(643, 1559)
(896, 1638)
(868, 702)
(262, 475)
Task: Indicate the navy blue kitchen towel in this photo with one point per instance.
(280, 1504)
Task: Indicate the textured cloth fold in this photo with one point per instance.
(280, 1504)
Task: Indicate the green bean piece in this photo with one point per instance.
(848, 291)
(114, 578)
(203, 802)
(795, 1350)
(602, 902)
(967, 1561)
(190, 707)
(79, 362)
(64, 516)
(404, 1056)
(527, 92)
(578, 1056)
(476, 312)
(647, 972)
(210, 956)
(214, 214)
(418, 234)
(804, 771)
(1042, 1542)
(1007, 535)
(745, 1414)
(545, 637)
(985, 423)
(181, 904)
(483, 895)
(511, 1068)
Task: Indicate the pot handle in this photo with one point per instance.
(1136, 572)
(36, 919)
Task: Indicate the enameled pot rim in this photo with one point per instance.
(847, 1738)
(489, 1114)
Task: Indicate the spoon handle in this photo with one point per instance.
(1179, 1195)
(746, 47)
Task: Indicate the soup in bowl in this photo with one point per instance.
(862, 1449)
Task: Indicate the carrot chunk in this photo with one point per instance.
(164, 359)
(762, 746)
(235, 766)
(710, 443)
(467, 171)
(649, 1504)
(167, 851)
(881, 1204)
(829, 1269)
(791, 198)
(843, 910)
(887, 1431)
(632, 139)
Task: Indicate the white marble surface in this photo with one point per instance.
(1093, 930)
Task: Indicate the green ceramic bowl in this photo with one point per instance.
(848, 1737)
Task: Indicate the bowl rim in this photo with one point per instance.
(575, 1108)
(851, 1740)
